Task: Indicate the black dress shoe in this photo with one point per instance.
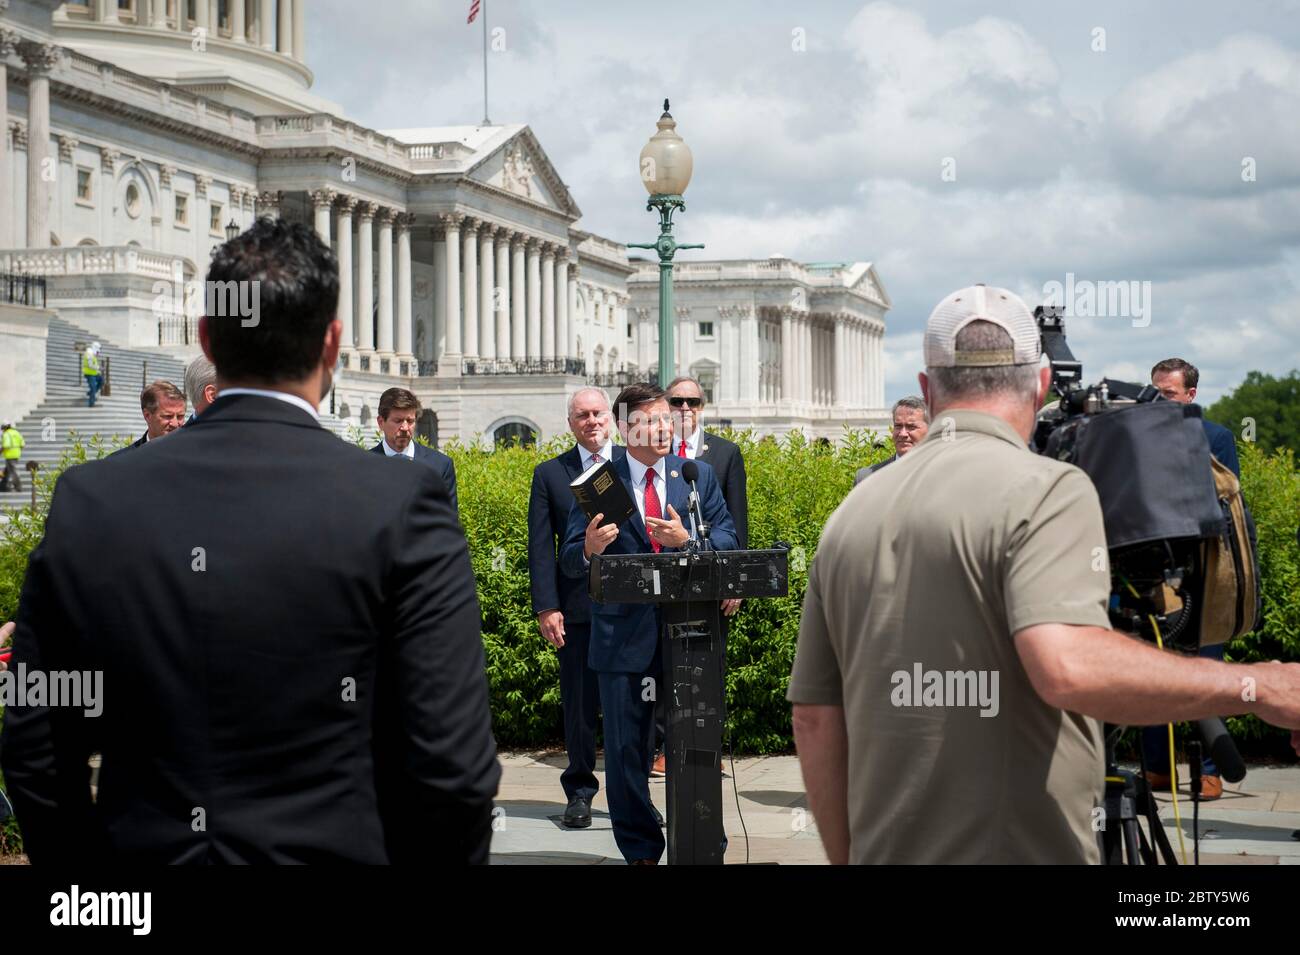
(577, 814)
(659, 818)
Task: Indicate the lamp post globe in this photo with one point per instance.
(666, 161)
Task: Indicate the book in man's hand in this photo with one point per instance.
(598, 490)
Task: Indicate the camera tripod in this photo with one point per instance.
(1127, 796)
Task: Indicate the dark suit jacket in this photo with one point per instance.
(729, 467)
(445, 467)
(139, 442)
(864, 473)
(549, 503)
(1222, 445)
(289, 640)
(624, 636)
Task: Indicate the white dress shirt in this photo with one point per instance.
(638, 471)
(585, 456)
(408, 453)
(281, 395)
(692, 445)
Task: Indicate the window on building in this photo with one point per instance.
(514, 433)
(84, 183)
(629, 329)
(134, 204)
(182, 209)
(706, 330)
(214, 220)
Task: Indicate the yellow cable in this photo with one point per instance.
(1173, 764)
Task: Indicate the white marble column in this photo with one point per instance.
(8, 43)
(534, 299)
(866, 387)
(238, 27)
(787, 355)
(518, 299)
(200, 216)
(501, 299)
(562, 304)
(571, 311)
(202, 13)
(451, 289)
(405, 329)
(548, 302)
(841, 362)
(750, 354)
(65, 182)
(365, 310)
(40, 59)
(346, 205)
(159, 21)
(439, 343)
(487, 259)
(880, 368)
(469, 288)
(265, 24)
(385, 346)
(106, 11)
(321, 201)
(299, 32)
(284, 33)
(869, 378)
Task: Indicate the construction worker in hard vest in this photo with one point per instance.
(90, 369)
(11, 441)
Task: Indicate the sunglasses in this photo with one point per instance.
(679, 401)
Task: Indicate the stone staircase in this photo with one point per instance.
(49, 428)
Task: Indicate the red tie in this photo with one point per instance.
(652, 505)
(682, 452)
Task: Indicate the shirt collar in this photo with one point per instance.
(638, 470)
(409, 452)
(280, 395)
(959, 420)
(606, 454)
(692, 442)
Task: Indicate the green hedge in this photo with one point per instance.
(793, 487)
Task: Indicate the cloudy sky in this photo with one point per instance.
(1011, 143)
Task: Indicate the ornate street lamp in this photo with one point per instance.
(232, 229)
(666, 167)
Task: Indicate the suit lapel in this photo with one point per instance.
(705, 452)
(571, 461)
(624, 471)
(678, 489)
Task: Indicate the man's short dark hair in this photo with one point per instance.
(157, 392)
(635, 396)
(1170, 365)
(397, 399)
(297, 280)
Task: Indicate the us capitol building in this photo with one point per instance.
(137, 132)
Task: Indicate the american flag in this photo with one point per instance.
(473, 11)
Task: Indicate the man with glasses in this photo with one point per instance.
(625, 637)
(911, 424)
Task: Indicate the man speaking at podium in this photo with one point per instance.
(625, 651)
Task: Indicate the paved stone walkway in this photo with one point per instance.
(1251, 824)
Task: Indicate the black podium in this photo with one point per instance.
(689, 585)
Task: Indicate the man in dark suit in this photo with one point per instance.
(910, 425)
(561, 602)
(163, 406)
(1177, 380)
(291, 660)
(398, 411)
(625, 645)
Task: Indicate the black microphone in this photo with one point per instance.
(1222, 749)
(691, 472)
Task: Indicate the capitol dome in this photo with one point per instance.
(250, 54)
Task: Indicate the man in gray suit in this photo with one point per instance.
(911, 424)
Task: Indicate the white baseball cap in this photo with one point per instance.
(981, 303)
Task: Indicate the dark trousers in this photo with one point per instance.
(1155, 739)
(629, 736)
(11, 480)
(580, 697)
(93, 384)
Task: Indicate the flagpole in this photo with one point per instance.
(486, 121)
